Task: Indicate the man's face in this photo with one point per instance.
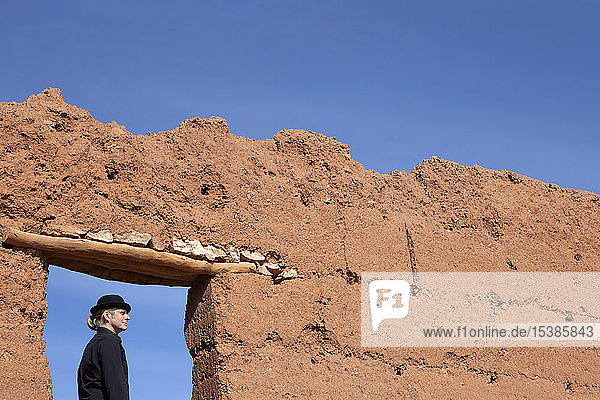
(117, 320)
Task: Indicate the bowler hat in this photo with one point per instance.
(110, 301)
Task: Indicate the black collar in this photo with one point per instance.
(105, 331)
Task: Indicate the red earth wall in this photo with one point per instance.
(300, 199)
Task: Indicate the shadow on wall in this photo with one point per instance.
(159, 361)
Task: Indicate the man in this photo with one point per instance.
(102, 372)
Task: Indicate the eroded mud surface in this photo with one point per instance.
(301, 200)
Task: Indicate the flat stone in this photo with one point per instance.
(69, 231)
(287, 274)
(252, 256)
(200, 251)
(181, 247)
(133, 238)
(261, 269)
(193, 248)
(101, 236)
(157, 244)
(274, 269)
(234, 254)
(220, 255)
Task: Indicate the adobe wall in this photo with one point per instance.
(24, 370)
(302, 201)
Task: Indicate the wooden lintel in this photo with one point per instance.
(116, 274)
(144, 260)
(124, 265)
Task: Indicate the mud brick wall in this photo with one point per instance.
(24, 370)
(199, 330)
(303, 202)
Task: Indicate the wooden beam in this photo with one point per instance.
(125, 265)
(116, 274)
(116, 253)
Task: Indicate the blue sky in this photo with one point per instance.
(159, 363)
(503, 84)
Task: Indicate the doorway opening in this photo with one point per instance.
(158, 358)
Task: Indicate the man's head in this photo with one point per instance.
(114, 319)
(110, 312)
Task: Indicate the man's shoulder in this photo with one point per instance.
(106, 337)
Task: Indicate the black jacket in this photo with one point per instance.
(102, 372)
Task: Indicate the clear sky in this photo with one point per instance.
(503, 84)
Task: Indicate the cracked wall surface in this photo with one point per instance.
(300, 200)
(23, 365)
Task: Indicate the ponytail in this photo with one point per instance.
(91, 323)
(92, 320)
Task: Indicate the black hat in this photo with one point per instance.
(110, 301)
